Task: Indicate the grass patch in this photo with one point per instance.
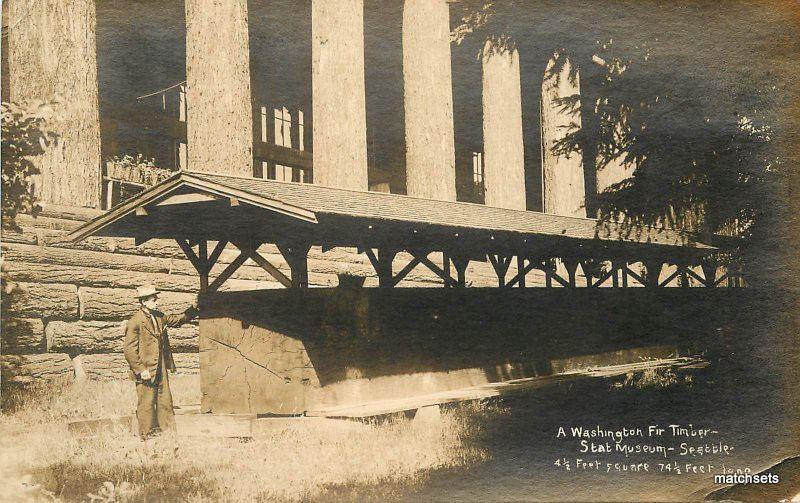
(307, 460)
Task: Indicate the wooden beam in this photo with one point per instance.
(140, 240)
(285, 156)
(296, 255)
(405, 270)
(671, 277)
(696, 276)
(449, 281)
(551, 273)
(228, 271)
(571, 265)
(196, 197)
(520, 267)
(520, 276)
(273, 271)
(653, 268)
(604, 277)
(501, 265)
(722, 278)
(709, 273)
(446, 268)
(187, 250)
(212, 259)
(461, 264)
(635, 276)
(202, 255)
(382, 263)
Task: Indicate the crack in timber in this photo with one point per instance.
(245, 356)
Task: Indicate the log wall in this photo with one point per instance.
(70, 302)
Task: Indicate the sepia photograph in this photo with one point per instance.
(400, 250)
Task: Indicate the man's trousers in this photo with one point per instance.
(154, 407)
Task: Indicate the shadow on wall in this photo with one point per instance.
(290, 350)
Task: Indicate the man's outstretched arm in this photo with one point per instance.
(176, 320)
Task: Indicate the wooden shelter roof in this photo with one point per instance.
(195, 205)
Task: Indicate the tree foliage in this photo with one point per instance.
(691, 95)
(25, 135)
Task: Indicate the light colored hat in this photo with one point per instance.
(146, 291)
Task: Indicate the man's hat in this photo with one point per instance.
(146, 291)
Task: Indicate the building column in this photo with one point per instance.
(613, 172)
(52, 57)
(563, 188)
(219, 111)
(504, 152)
(428, 103)
(338, 94)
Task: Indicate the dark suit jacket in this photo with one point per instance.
(143, 341)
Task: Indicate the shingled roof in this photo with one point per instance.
(327, 206)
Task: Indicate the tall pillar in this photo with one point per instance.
(338, 94)
(563, 190)
(219, 111)
(52, 56)
(428, 90)
(504, 152)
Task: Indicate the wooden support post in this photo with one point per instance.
(521, 270)
(586, 273)
(709, 273)
(202, 255)
(382, 262)
(446, 268)
(548, 275)
(652, 272)
(500, 264)
(684, 277)
(571, 266)
(461, 264)
(614, 275)
(296, 255)
(624, 273)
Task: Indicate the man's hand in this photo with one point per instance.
(145, 375)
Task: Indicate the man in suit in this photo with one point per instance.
(147, 351)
